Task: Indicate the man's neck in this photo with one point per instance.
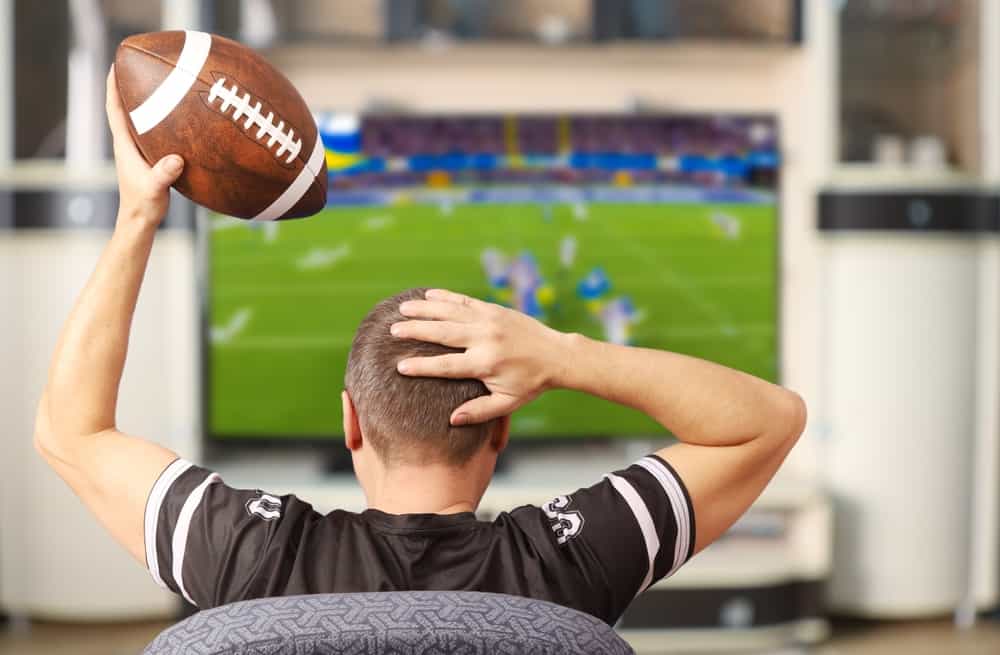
(425, 489)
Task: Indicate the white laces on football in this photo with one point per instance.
(266, 128)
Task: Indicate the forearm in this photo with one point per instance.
(82, 390)
(75, 429)
(699, 402)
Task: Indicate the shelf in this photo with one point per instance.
(473, 55)
(876, 177)
(57, 174)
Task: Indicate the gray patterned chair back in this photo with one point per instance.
(426, 622)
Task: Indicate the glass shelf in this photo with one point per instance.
(908, 84)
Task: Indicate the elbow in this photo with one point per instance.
(45, 441)
(50, 448)
(793, 416)
(42, 439)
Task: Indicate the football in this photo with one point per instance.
(249, 142)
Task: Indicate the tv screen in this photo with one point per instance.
(649, 230)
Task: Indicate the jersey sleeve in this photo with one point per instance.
(636, 526)
(213, 544)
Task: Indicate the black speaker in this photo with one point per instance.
(951, 210)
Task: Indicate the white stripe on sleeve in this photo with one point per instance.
(643, 518)
(152, 516)
(675, 494)
(179, 541)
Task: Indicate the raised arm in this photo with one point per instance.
(75, 429)
(735, 429)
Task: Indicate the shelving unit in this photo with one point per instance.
(911, 362)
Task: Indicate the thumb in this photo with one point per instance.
(166, 171)
(484, 408)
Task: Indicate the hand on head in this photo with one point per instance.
(144, 190)
(514, 355)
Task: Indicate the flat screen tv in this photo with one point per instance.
(651, 230)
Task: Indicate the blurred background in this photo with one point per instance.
(808, 190)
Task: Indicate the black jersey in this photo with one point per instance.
(593, 550)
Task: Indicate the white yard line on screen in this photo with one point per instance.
(309, 290)
(289, 343)
(710, 331)
(440, 251)
(669, 277)
(691, 292)
(709, 281)
(695, 332)
(288, 250)
(379, 222)
(519, 422)
(321, 258)
(224, 334)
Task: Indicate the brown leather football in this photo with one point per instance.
(250, 145)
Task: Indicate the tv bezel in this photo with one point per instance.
(216, 445)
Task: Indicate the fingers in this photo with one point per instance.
(455, 298)
(126, 151)
(437, 310)
(484, 408)
(446, 333)
(166, 172)
(455, 365)
(113, 104)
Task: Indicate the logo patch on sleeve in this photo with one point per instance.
(566, 523)
(265, 506)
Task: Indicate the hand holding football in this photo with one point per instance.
(249, 142)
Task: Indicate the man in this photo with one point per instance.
(431, 382)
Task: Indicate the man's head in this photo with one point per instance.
(405, 420)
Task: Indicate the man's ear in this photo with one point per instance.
(501, 434)
(352, 428)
